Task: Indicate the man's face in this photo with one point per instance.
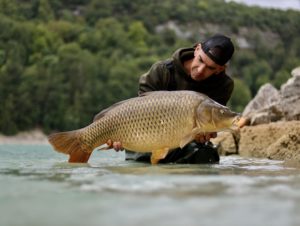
(202, 66)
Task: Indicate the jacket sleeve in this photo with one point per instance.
(155, 79)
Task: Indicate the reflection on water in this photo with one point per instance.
(41, 188)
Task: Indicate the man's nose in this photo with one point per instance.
(201, 68)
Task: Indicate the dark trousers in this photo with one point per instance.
(192, 153)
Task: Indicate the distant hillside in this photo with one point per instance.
(63, 61)
(283, 5)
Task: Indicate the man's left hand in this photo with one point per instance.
(204, 137)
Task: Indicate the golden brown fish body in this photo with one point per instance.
(156, 122)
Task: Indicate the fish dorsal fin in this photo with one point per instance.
(189, 137)
(147, 93)
(161, 92)
(107, 110)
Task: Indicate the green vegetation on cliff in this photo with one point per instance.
(61, 62)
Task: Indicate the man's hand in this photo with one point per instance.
(204, 137)
(117, 145)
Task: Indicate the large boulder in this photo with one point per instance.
(286, 148)
(290, 96)
(278, 140)
(271, 105)
(265, 107)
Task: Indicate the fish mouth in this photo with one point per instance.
(239, 121)
(235, 122)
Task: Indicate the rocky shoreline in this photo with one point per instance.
(273, 129)
(276, 140)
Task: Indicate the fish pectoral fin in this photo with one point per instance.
(158, 155)
(189, 138)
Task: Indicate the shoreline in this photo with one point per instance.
(29, 137)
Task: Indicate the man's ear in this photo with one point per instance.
(220, 69)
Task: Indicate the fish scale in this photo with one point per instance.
(133, 124)
(156, 122)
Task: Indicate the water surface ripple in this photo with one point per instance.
(38, 187)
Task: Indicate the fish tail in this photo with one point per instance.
(69, 143)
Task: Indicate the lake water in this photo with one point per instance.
(38, 187)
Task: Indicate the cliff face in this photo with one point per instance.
(274, 127)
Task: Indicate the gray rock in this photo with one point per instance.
(271, 105)
(272, 114)
(290, 96)
(286, 147)
(265, 107)
(296, 72)
(266, 96)
(277, 140)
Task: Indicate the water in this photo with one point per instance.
(38, 187)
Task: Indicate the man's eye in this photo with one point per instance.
(222, 112)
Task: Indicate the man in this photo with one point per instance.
(201, 69)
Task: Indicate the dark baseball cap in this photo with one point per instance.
(219, 48)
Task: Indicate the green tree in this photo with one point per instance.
(240, 97)
(137, 36)
(7, 123)
(256, 74)
(45, 12)
(280, 78)
(8, 7)
(67, 60)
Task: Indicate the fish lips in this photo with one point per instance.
(237, 122)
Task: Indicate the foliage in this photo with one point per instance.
(61, 62)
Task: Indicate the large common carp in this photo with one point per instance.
(156, 122)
